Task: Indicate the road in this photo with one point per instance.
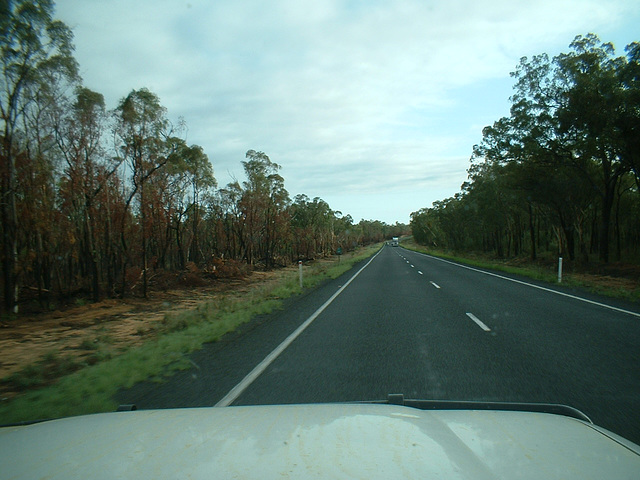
(413, 324)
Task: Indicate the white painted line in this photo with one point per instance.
(407, 261)
(412, 266)
(479, 322)
(420, 272)
(550, 290)
(235, 392)
(435, 284)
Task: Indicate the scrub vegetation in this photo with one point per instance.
(74, 388)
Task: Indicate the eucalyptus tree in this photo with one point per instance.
(202, 182)
(589, 118)
(146, 143)
(345, 231)
(629, 118)
(33, 46)
(264, 203)
(527, 179)
(233, 218)
(571, 120)
(425, 227)
(192, 183)
(80, 135)
(312, 222)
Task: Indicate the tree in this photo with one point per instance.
(264, 201)
(313, 224)
(191, 184)
(570, 117)
(589, 119)
(146, 145)
(79, 135)
(33, 46)
(566, 159)
(234, 220)
(201, 181)
(629, 118)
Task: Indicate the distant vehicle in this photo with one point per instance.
(347, 440)
(394, 242)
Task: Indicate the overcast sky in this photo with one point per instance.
(374, 106)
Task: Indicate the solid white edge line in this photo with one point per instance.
(235, 392)
(604, 305)
(435, 284)
(478, 321)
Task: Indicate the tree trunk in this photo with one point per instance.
(90, 254)
(9, 231)
(532, 233)
(605, 224)
(143, 225)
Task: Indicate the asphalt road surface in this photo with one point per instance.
(430, 329)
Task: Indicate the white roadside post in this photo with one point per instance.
(559, 269)
(300, 272)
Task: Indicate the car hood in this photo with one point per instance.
(321, 441)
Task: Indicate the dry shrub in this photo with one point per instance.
(133, 279)
(190, 279)
(163, 280)
(192, 268)
(227, 268)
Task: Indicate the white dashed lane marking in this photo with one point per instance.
(420, 273)
(478, 322)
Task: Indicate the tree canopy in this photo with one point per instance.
(561, 172)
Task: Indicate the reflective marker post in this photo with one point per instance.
(300, 271)
(559, 269)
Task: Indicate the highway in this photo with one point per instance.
(404, 322)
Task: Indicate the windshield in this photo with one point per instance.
(200, 200)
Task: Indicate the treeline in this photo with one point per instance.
(96, 200)
(561, 174)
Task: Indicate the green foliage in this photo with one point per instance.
(559, 174)
(46, 370)
(87, 344)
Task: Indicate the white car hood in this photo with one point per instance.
(315, 441)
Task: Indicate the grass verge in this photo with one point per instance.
(601, 285)
(91, 389)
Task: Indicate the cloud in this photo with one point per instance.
(347, 95)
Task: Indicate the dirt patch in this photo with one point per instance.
(83, 335)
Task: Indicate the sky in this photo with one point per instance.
(373, 106)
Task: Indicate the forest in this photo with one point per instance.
(561, 174)
(95, 202)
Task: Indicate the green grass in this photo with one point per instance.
(51, 365)
(92, 388)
